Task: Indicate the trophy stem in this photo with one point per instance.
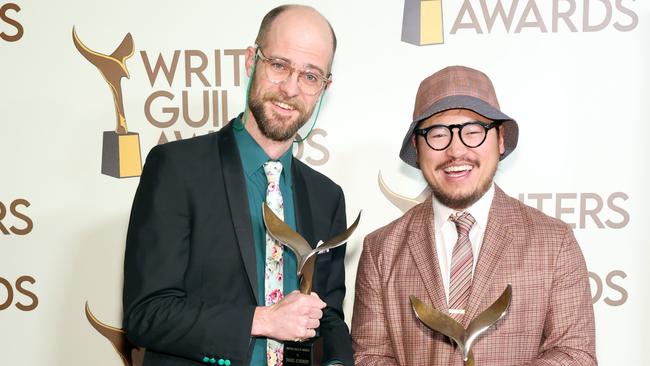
(470, 359)
(307, 271)
(121, 128)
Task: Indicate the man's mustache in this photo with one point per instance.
(453, 162)
(292, 102)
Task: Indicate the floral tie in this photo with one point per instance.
(273, 262)
(461, 266)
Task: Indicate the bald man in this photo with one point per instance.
(203, 283)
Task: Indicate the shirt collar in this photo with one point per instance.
(253, 156)
(479, 210)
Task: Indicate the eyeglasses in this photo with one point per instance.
(472, 134)
(277, 71)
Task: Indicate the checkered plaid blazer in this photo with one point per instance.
(550, 321)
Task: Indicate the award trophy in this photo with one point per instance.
(121, 148)
(464, 338)
(422, 22)
(307, 352)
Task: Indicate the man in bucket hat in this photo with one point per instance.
(458, 250)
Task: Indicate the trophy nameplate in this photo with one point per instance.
(307, 352)
(464, 338)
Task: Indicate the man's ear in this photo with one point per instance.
(250, 59)
(414, 143)
(502, 143)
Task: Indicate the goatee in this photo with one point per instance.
(273, 125)
(462, 201)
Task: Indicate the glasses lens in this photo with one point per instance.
(277, 71)
(473, 134)
(310, 82)
(439, 137)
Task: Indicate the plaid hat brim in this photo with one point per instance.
(511, 130)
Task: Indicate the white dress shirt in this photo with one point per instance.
(446, 234)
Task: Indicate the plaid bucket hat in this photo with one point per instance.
(458, 87)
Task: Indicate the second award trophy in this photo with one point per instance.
(307, 352)
(464, 338)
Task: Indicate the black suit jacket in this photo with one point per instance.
(190, 283)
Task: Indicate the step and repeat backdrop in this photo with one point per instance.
(572, 72)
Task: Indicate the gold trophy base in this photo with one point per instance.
(306, 353)
(121, 155)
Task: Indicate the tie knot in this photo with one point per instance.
(464, 222)
(273, 169)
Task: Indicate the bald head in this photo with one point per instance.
(304, 19)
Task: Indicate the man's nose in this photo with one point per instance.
(290, 86)
(456, 147)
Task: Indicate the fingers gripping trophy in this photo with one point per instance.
(307, 352)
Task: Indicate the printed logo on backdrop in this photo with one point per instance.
(423, 22)
(178, 82)
(11, 30)
(121, 148)
(13, 219)
(14, 293)
(200, 81)
(579, 210)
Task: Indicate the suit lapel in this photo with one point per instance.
(496, 241)
(302, 205)
(235, 183)
(421, 242)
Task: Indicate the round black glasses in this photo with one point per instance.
(472, 134)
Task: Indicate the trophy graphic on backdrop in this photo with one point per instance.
(422, 22)
(464, 338)
(130, 354)
(308, 352)
(121, 148)
(403, 203)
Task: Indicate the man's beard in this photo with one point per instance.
(273, 125)
(463, 200)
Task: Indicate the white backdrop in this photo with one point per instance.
(576, 83)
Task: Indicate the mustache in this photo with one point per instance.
(451, 162)
(278, 98)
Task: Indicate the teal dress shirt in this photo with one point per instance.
(253, 158)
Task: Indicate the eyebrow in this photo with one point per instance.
(306, 66)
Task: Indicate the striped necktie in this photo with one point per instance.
(461, 266)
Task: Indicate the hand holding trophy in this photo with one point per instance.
(307, 352)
